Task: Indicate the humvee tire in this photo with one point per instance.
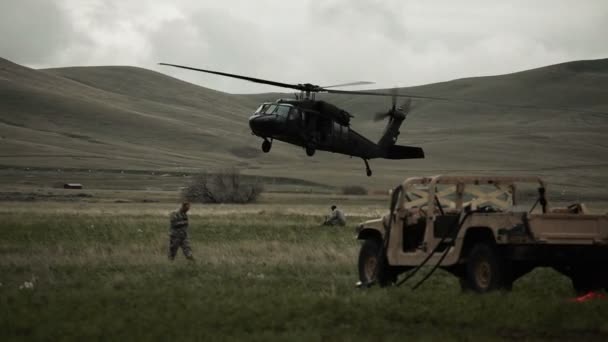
(373, 266)
(485, 270)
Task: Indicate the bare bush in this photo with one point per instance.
(226, 186)
(354, 190)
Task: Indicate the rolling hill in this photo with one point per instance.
(550, 121)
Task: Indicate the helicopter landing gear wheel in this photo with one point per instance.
(368, 171)
(266, 145)
(310, 150)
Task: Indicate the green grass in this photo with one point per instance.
(264, 276)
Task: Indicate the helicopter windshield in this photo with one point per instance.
(262, 108)
(276, 109)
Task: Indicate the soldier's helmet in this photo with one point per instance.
(333, 207)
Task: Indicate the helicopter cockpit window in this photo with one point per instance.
(283, 111)
(270, 109)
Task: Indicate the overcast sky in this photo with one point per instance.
(394, 43)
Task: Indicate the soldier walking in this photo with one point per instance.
(178, 232)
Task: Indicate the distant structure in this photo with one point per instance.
(72, 186)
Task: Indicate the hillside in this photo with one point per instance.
(116, 117)
(550, 121)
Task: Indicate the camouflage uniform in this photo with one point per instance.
(336, 218)
(178, 235)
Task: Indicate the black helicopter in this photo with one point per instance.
(319, 125)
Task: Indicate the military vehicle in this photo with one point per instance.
(474, 228)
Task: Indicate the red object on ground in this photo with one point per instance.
(588, 296)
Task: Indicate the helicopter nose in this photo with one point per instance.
(263, 125)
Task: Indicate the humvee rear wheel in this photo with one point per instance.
(373, 267)
(485, 270)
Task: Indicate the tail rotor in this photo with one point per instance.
(395, 111)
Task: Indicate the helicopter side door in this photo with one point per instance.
(339, 137)
(310, 123)
(294, 120)
(282, 113)
(325, 131)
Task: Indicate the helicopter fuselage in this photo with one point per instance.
(299, 123)
(319, 125)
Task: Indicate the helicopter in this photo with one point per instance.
(319, 125)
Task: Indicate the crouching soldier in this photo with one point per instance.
(178, 232)
(336, 218)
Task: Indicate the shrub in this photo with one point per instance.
(354, 190)
(225, 186)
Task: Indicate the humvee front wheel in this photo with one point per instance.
(373, 266)
(485, 270)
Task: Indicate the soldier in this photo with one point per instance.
(336, 218)
(178, 232)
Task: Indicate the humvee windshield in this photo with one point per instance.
(500, 197)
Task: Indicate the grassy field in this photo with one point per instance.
(99, 272)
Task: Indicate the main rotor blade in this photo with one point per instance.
(379, 116)
(395, 93)
(504, 105)
(407, 105)
(246, 78)
(348, 84)
(384, 94)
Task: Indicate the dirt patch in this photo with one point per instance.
(569, 335)
(34, 196)
(246, 152)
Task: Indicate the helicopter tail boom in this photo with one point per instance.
(404, 152)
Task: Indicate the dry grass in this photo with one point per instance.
(163, 209)
(260, 275)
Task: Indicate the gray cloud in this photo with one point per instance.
(213, 38)
(391, 42)
(361, 18)
(35, 31)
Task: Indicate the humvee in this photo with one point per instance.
(474, 228)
